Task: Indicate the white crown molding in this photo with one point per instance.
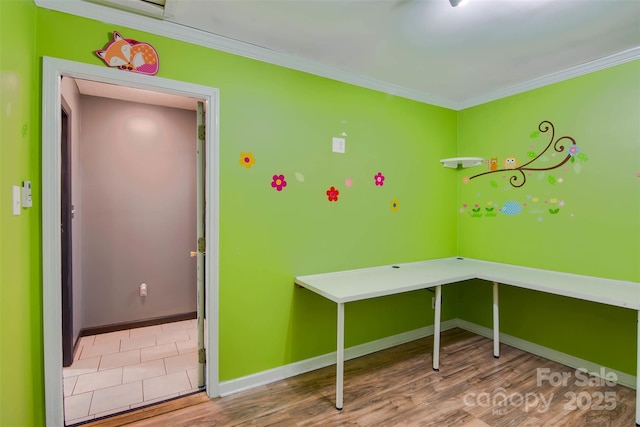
(236, 47)
(589, 67)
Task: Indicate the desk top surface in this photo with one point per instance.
(355, 285)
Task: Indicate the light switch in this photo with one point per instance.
(26, 194)
(338, 145)
(16, 200)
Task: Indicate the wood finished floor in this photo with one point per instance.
(397, 387)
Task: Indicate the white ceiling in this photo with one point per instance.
(454, 57)
(447, 53)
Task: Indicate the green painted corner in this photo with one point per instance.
(598, 333)
(582, 217)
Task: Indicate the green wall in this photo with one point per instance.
(287, 119)
(21, 351)
(595, 231)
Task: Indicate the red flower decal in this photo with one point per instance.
(379, 179)
(332, 194)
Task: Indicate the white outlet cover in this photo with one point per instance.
(338, 145)
(16, 200)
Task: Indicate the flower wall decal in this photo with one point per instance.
(554, 205)
(379, 179)
(395, 205)
(533, 205)
(278, 182)
(476, 211)
(332, 194)
(490, 209)
(572, 150)
(247, 160)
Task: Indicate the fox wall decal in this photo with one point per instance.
(130, 55)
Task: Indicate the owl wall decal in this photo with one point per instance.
(510, 163)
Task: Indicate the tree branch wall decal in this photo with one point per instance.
(518, 177)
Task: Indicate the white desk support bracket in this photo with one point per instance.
(496, 322)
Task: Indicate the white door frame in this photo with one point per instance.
(52, 71)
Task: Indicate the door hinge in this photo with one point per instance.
(201, 132)
(202, 355)
(202, 245)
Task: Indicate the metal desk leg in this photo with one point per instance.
(638, 374)
(436, 330)
(496, 322)
(340, 356)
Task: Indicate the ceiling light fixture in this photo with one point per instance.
(455, 3)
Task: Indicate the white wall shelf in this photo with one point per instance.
(464, 162)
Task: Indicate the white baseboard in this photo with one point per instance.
(297, 368)
(303, 366)
(548, 353)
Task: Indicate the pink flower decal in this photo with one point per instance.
(379, 178)
(278, 182)
(332, 194)
(573, 150)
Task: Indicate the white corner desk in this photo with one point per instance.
(355, 285)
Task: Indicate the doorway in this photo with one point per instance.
(135, 183)
(53, 70)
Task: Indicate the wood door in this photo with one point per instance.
(66, 215)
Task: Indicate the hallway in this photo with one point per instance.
(118, 371)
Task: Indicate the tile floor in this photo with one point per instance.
(118, 371)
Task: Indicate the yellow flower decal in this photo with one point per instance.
(395, 205)
(247, 160)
